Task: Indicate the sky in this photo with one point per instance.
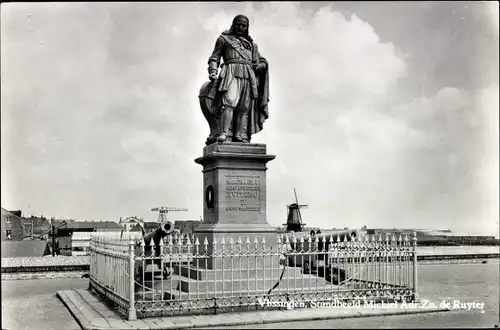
(381, 114)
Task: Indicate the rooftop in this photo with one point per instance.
(31, 248)
(81, 236)
(89, 224)
(10, 214)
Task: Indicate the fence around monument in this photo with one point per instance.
(241, 274)
(111, 261)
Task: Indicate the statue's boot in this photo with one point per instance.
(241, 128)
(210, 140)
(227, 118)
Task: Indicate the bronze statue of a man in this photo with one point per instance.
(235, 102)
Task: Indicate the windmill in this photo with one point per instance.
(163, 210)
(294, 218)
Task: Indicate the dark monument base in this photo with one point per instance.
(234, 185)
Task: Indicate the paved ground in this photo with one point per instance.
(29, 304)
(91, 313)
(450, 320)
(32, 304)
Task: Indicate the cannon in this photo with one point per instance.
(145, 270)
(308, 255)
(158, 234)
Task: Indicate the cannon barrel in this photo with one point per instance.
(153, 239)
(163, 230)
(143, 267)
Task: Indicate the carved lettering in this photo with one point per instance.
(242, 208)
(240, 182)
(243, 194)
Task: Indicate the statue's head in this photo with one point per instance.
(240, 25)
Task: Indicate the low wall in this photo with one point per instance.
(47, 267)
(43, 275)
(61, 263)
(442, 257)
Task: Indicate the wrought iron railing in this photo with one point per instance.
(112, 260)
(242, 273)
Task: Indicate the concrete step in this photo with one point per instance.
(158, 289)
(282, 292)
(237, 262)
(251, 285)
(236, 273)
(172, 282)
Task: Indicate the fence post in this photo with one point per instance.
(91, 265)
(131, 299)
(415, 288)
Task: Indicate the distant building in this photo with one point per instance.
(64, 233)
(435, 237)
(80, 243)
(137, 228)
(149, 226)
(12, 226)
(86, 226)
(129, 222)
(473, 240)
(16, 228)
(370, 232)
(36, 227)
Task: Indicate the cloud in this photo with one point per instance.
(426, 163)
(101, 117)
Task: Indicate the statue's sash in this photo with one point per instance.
(236, 47)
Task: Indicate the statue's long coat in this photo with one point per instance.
(228, 47)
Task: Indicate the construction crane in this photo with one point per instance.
(163, 210)
(294, 219)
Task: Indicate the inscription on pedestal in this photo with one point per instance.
(242, 193)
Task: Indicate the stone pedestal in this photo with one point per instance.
(235, 205)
